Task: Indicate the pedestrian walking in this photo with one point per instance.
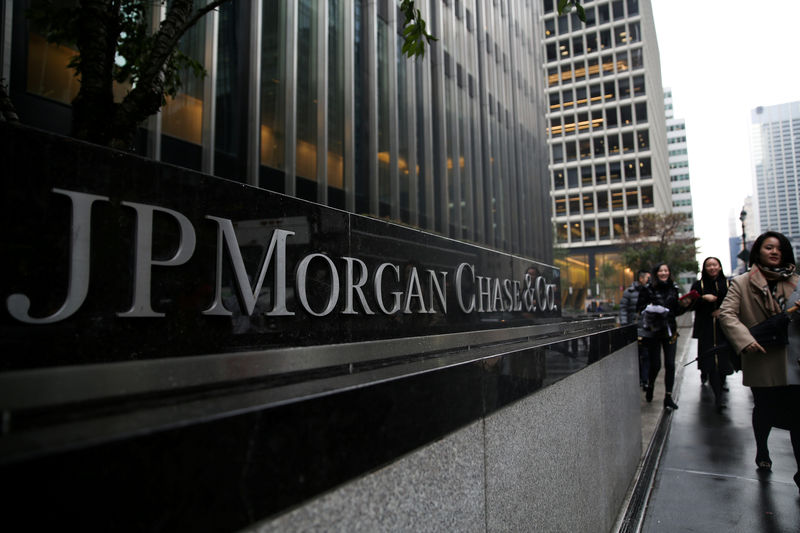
(629, 315)
(712, 288)
(660, 303)
(752, 298)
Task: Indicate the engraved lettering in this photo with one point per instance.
(413, 290)
(379, 289)
(470, 307)
(333, 295)
(350, 286)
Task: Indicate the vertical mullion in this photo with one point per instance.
(483, 123)
(411, 133)
(394, 148)
(290, 100)
(5, 46)
(154, 121)
(349, 105)
(210, 91)
(371, 34)
(451, 123)
(322, 103)
(254, 97)
(439, 117)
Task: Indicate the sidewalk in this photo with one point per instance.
(698, 471)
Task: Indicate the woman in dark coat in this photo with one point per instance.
(661, 332)
(712, 287)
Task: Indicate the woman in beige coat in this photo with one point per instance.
(752, 298)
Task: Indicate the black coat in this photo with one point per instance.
(703, 328)
(665, 295)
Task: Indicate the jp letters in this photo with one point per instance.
(352, 288)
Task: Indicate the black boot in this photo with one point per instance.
(668, 403)
(648, 393)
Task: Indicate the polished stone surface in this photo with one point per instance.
(36, 219)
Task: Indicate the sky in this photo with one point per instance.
(721, 60)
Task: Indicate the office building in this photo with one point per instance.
(607, 139)
(678, 157)
(775, 145)
(316, 100)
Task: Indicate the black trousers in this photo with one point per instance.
(654, 349)
(776, 407)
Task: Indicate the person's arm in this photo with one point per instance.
(624, 304)
(644, 299)
(729, 318)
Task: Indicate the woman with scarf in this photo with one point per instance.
(660, 302)
(752, 298)
(712, 287)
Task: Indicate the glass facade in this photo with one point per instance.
(316, 100)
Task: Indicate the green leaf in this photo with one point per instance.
(581, 12)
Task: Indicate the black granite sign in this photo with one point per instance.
(111, 257)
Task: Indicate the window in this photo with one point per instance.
(590, 16)
(611, 117)
(633, 7)
(572, 178)
(555, 103)
(605, 39)
(643, 139)
(618, 10)
(620, 35)
(595, 93)
(629, 166)
(552, 76)
(624, 87)
(567, 98)
(561, 232)
(627, 142)
(563, 48)
(577, 45)
(617, 202)
(647, 196)
(619, 227)
(632, 198)
(637, 59)
(625, 115)
(558, 153)
(574, 204)
(641, 112)
(583, 121)
(603, 229)
(644, 168)
(622, 61)
(614, 172)
(548, 6)
(551, 52)
(558, 180)
(593, 68)
(638, 85)
(580, 96)
(608, 88)
(585, 149)
(555, 127)
(602, 14)
(597, 119)
(634, 32)
(590, 230)
(602, 201)
(599, 146)
(586, 176)
(591, 42)
(561, 206)
(563, 25)
(549, 27)
(572, 153)
(601, 175)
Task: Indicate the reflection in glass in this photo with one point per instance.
(336, 94)
(306, 161)
(182, 116)
(384, 178)
(273, 51)
(48, 74)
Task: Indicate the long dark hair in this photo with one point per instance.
(654, 275)
(787, 252)
(705, 276)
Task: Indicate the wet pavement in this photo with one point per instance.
(703, 475)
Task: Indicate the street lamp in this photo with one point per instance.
(744, 255)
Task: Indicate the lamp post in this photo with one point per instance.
(742, 216)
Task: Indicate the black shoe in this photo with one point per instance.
(703, 378)
(648, 394)
(668, 403)
(764, 463)
(720, 406)
(797, 480)
(725, 388)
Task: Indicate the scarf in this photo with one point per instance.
(776, 293)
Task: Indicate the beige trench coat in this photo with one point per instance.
(747, 303)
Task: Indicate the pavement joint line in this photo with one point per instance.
(728, 476)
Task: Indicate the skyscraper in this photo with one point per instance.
(607, 139)
(678, 156)
(775, 143)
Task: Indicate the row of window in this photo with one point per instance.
(679, 164)
(599, 201)
(682, 203)
(597, 93)
(676, 140)
(602, 173)
(600, 146)
(679, 177)
(681, 190)
(593, 41)
(681, 151)
(591, 231)
(598, 120)
(599, 13)
(624, 60)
